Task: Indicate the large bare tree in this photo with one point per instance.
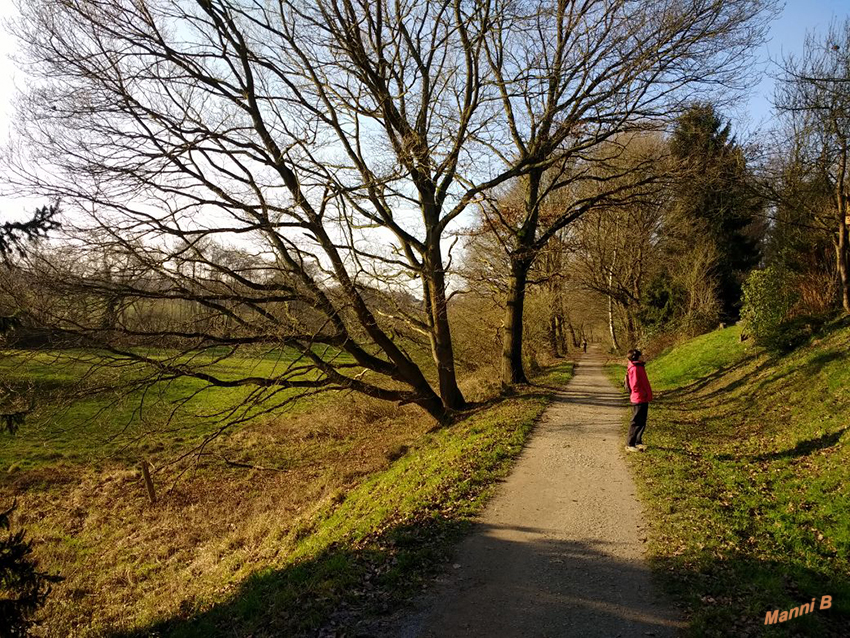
(336, 141)
(814, 96)
(574, 74)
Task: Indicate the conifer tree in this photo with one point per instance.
(714, 201)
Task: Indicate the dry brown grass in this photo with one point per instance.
(126, 562)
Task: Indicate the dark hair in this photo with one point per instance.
(633, 355)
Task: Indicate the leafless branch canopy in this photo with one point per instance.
(289, 170)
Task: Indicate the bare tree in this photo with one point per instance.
(336, 141)
(815, 96)
(616, 244)
(574, 74)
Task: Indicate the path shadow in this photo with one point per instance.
(519, 581)
(589, 398)
(347, 591)
(363, 592)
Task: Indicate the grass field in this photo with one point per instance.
(746, 482)
(75, 420)
(348, 504)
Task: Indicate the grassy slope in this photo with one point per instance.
(746, 482)
(368, 549)
(76, 426)
(366, 502)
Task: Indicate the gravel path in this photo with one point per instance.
(559, 549)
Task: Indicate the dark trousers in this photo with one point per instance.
(638, 424)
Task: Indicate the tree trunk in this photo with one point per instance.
(557, 341)
(631, 328)
(560, 336)
(432, 404)
(611, 326)
(842, 257)
(842, 251)
(573, 335)
(512, 369)
(611, 303)
(521, 260)
(552, 334)
(441, 339)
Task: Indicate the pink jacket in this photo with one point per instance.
(641, 392)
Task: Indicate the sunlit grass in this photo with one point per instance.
(88, 410)
(275, 525)
(746, 480)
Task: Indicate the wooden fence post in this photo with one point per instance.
(146, 465)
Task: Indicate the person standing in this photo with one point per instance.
(640, 394)
(584, 344)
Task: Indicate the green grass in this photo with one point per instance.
(745, 480)
(370, 548)
(359, 501)
(697, 358)
(558, 375)
(73, 422)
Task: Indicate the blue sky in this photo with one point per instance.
(787, 35)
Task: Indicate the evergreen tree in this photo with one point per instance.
(23, 588)
(14, 235)
(714, 202)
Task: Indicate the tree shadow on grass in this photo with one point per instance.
(817, 362)
(334, 589)
(803, 448)
(577, 588)
(732, 595)
(697, 385)
(775, 383)
(723, 390)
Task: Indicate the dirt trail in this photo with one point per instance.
(559, 550)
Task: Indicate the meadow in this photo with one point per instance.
(275, 527)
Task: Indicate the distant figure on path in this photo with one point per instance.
(584, 344)
(640, 394)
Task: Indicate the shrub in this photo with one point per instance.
(768, 299)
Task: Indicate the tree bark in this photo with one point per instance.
(631, 328)
(440, 334)
(521, 260)
(442, 350)
(512, 368)
(573, 335)
(842, 249)
(611, 326)
(552, 334)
